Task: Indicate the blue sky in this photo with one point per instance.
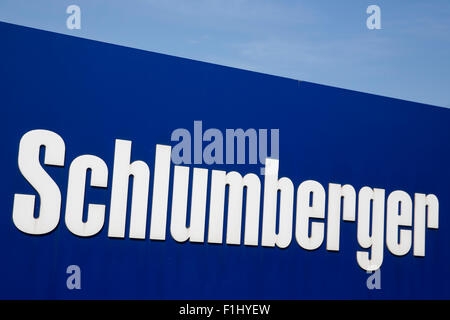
(322, 41)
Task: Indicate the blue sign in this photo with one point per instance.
(134, 175)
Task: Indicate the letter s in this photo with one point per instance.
(31, 169)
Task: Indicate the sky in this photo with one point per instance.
(321, 41)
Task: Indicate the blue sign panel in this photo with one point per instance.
(136, 175)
